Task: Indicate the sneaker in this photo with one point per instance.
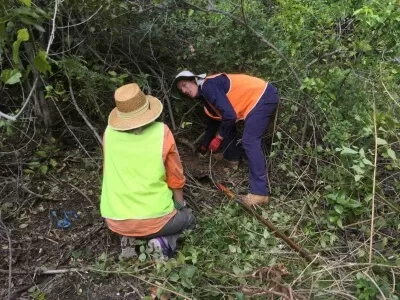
(128, 247)
(160, 248)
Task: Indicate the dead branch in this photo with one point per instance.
(81, 113)
(14, 118)
(9, 271)
(212, 8)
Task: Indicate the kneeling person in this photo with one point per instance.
(142, 194)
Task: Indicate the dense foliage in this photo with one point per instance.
(334, 156)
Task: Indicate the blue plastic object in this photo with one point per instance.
(65, 221)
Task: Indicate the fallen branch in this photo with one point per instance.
(276, 231)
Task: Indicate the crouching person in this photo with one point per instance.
(143, 177)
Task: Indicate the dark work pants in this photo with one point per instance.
(255, 124)
(230, 148)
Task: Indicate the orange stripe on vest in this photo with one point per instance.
(244, 93)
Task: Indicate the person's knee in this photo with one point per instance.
(190, 219)
(249, 143)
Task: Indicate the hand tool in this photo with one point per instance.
(276, 231)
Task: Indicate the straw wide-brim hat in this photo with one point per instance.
(133, 108)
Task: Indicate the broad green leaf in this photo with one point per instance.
(380, 141)
(23, 35)
(40, 62)
(26, 2)
(232, 248)
(357, 177)
(391, 153)
(348, 151)
(190, 12)
(174, 277)
(9, 76)
(187, 272)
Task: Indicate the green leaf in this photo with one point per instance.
(232, 248)
(76, 254)
(23, 35)
(339, 209)
(188, 271)
(40, 62)
(391, 153)
(348, 151)
(367, 162)
(142, 257)
(174, 277)
(190, 12)
(41, 153)
(52, 163)
(357, 177)
(26, 2)
(9, 76)
(380, 141)
(43, 169)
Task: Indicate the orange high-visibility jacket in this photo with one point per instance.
(244, 93)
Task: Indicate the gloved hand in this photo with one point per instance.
(178, 205)
(215, 143)
(201, 149)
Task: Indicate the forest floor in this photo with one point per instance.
(39, 260)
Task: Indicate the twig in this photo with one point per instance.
(9, 271)
(81, 113)
(14, 118)
(211, 8)
(73, 25)
(302, 272)
(76, 138)
(371, 239)
(256, 292)
(376, 285)
(83, 194)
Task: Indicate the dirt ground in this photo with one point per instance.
(39, 260)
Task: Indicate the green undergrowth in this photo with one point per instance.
(231, 255)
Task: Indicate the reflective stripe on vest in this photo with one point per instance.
(134, 185)
(244, 93)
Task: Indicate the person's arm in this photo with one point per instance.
(173, 166)
(215, 94)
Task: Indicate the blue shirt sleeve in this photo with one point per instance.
(214, 91)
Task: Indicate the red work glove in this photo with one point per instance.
(215, 143)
